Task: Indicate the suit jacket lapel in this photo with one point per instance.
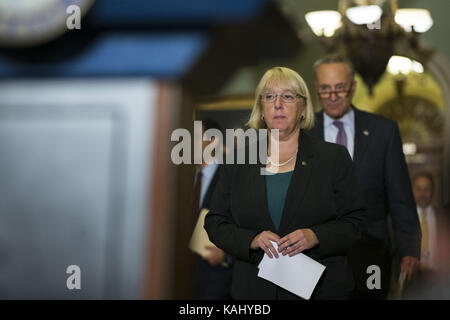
(362, 136)
(209, 192)
(318, 126)
(299, 182)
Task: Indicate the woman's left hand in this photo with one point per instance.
(297, 241)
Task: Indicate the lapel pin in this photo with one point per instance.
(304, 163)
(366, 133)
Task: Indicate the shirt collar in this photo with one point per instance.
(347, 118)
(209, 170)
(428, 209)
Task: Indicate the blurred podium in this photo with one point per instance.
(75, 168)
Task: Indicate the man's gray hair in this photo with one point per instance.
(334, 58)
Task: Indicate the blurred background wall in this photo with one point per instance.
(86, 117)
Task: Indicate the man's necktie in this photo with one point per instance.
(196, 196)
(341, 137)
(424, 228)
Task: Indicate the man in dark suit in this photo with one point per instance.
(375, 146)
(214, 270)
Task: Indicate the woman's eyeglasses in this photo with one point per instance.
(287, 97)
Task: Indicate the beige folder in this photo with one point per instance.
(199, 239)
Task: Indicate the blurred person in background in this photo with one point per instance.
(213, 270)
(432, 279)
(423, 187)
(434, 283)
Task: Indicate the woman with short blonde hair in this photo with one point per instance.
(297, 85)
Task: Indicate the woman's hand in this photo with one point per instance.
(297, 241)
(262, 241)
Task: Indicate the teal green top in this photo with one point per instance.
(276, 188)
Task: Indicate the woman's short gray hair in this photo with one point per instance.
(279, 75)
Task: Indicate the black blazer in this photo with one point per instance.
(323, 195)
(383, 175)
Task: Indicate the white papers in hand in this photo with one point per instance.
(298, 274)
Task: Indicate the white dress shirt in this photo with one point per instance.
(331, 131)
(207, 176)
(429, 259)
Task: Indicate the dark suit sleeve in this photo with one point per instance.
(402, 206)
(337, 236)
(220, 225)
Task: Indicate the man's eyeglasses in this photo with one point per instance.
(341, 93)
(288, 97)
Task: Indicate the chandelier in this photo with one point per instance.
(370, 32)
